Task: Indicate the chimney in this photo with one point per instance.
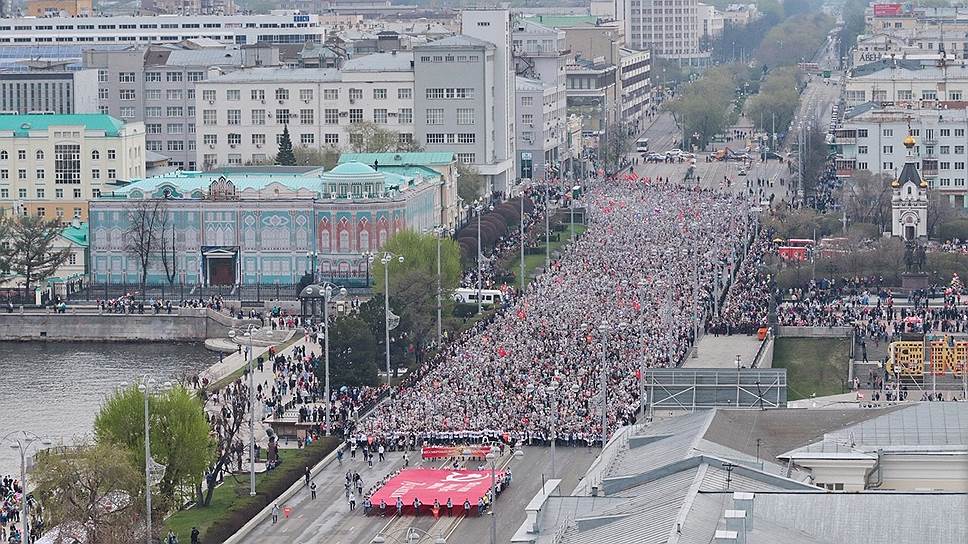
(744, 501)
(726, 537)
(736, 521)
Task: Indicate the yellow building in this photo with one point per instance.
(51, 165)
(71, 8)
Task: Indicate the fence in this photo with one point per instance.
(252, 293)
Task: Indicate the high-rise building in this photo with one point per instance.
(671, 29)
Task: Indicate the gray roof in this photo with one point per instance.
(204, 57)
(922, 427)
(280, 75)
(526, 84)
(381, 62)
(458, 41)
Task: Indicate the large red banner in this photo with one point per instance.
(428, 484)
(887, 10)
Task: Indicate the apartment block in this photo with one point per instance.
(51, 165)
(241, 115)
(538, 134)
(671, 29)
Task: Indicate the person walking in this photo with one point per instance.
(312, 490)
(306, 474)
(275, 513)
(195, 535)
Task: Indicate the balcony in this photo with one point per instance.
(845, 140)
(845, 172)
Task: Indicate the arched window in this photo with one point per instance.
(40, 155)
(344, 241)
(95, 155)
(3, 155)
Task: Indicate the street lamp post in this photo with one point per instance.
(522, 187)
(479, 208)
(492, 457)
(327, 296)
(145, 388)
(22, 444)
(439, 232)
(642, 335)
(249, 330)
(604, 328)
(385, 260)
(311, 256)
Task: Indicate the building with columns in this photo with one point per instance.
(267, 226)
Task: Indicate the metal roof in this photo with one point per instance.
(400, 159)
(381, 62)
(460, 40)
(22, 124)
(279, 75)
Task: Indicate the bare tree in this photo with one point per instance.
(226, 426)
(940, 211)
(145, 218)
(868, 199)
(167, 243)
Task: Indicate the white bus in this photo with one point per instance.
(642, 145)
(469, 296)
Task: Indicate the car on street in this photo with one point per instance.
(655, 157)
(742, 172)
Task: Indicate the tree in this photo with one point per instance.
(470, 183)
(940, 211)
(420, 253)
(179, 435)
(795, 39)
(226, 426)
(285, 156)
(353, 353)
(777, 100)
(31, 253)
(369, 137)
(91, 494)
(328, 157)
(867, 199)
(167, 241)
(6, 247)
(615, 146)
(144, 232)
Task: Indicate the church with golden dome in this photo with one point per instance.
(909, 199)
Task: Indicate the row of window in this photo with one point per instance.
(946, 182)
(58, 193)
(235, 159)
(234, 95)
(435, 116)
(331, 116)
(928, 133)
(928, 150)
(112, 154)
(40, 174)
(451, 138)
(880, 95)
(450, 58)
(332, 138)
(438, 93)
(152, 77)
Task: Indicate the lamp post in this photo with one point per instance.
(439, 233)
(249, 330)
(521, 197)
(642, 336)
(604, 328)
(479, 208)
(385, 260)
(492, 457)
(145, 388)
(22, 441)
(328, 289)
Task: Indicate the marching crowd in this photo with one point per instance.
(636, 272)
(11, 497)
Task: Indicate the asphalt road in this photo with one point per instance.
(328, 519)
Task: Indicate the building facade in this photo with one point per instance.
(51, 165)
(62, 92)
(538, 135)
(156, 85)
(869, 139)
(671, 29)
(243, 114)
(920, 83)
(257, 228)
(56, 8)
(280, 27)
(635, 78)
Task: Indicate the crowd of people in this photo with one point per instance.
(747, 302)
(11, 499)
(635, 271)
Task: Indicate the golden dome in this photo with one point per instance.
(924, 184)
(895, 183)
(909, 141)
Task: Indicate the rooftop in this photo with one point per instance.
(279, 75)
(381, 62)
(564, 21)
(458, 41)
(400, 159)
(77, 234)
(21, 124)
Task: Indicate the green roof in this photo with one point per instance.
(399, 159)
(564, 21)
(20, 124)
(352, 168)
(77, 235)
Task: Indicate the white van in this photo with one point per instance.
(469, 296)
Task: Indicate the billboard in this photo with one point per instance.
(887, 10)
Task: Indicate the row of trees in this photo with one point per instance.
(794, 40)
(777, 100)
(366, 137)
(707, 105)
(27, 249)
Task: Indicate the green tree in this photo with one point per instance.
(777, 100)
(420, 253)
(707, 105)
(470, 183)
(31, 254)
(369, 137)
(794, 40)
(285, 157)
(179, 435)
(617, 144)
(328, 157)
(75, 487)
(353, 353)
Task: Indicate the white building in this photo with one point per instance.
(909, 199)
(242, 114)
(870, 138)
(915, 82)
(51, 165)
(494, 26)
(671, 29)
(635, 76)
(538, 134)
(279, 27)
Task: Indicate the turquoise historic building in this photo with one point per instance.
(264, 226)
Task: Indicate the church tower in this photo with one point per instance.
(909, 201)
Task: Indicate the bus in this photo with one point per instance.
(642, 145)
(794, 249)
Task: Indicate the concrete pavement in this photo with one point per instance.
(721, 351)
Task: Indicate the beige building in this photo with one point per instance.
(671, 29)
(70, 8)
(51, 165)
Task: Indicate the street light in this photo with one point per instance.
(604, 328)
(479, 208)
(642, 336)
(23, 443)
(328, 289)
(385, 260)
(145, 388)
(522, 186)
(492, 457)
(312, 256)
(249, 330)
(439, 233)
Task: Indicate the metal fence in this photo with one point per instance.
(700, 388)
(193, 291)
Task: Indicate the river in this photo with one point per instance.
(54, 389)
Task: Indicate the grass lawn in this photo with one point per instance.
(531, 262)
(232, 496)
(814, 365)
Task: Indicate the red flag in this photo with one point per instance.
(501, 352)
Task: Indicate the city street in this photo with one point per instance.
(329, 514)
